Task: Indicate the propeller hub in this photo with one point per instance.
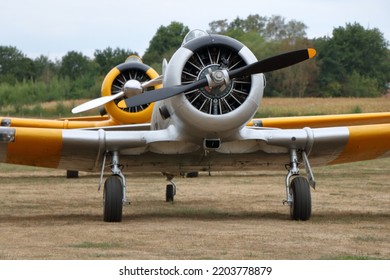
(219, 84)
(132, 87)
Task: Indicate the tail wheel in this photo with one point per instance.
(112, 199)
(170, 193)
(300, 209)
(72, 174)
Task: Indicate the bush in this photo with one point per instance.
(357, 85)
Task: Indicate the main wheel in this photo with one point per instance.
(300, 209)
(194, 174)
(170, 193)
(112, 199)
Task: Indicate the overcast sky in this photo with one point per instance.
(53, 28)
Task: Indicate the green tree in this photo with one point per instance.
(294, 81)
(14, 65)
(164, 43)
(357, 85)
(44, 69)
(353, 51)
(218, 26)
(295, 30)
(74, 65)
(276, 28)
(109, 58)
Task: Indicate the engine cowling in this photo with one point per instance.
(220, 110)
(113, 83)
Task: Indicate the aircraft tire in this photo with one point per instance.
(72, 174)
(170, 193)
(112, 199)
(300, 209)
(192, 174)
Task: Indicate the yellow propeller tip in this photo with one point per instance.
(312, 52)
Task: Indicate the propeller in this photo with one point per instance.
(131, 88)
(220, 77)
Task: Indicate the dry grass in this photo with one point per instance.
(43, 215)
(270, 107)
(278, 107)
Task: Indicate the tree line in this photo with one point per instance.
(354, 61)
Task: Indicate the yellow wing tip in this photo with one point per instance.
(311, 52)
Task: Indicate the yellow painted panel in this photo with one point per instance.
(83, 122)
(365, 143)
(324, 121)
(36, 147)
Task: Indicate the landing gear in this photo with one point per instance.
(114, 196)
(170, 192)
(72, 174)
(298, 188)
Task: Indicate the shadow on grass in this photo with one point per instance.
(200, 214)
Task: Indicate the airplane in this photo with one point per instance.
(133, 74)
(201, 120)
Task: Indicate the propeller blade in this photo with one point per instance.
(105, 99)
(154, 82)
(96, 103)
(163, 93)
(273, 63)
(269, 64)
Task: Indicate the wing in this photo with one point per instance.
(322, 121)
(83, 149)
(69, 123)
(166, 150)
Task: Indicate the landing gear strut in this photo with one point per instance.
(298, 188)
(114, 191)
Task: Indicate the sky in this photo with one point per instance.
(53, 28)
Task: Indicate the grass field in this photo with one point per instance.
(270, 107)
(43, 215)
(281, 107)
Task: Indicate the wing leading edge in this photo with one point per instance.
(165, 149)
(323, 121)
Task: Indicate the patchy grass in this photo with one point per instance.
(353, 258)
(96, 245)
(230, 215)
